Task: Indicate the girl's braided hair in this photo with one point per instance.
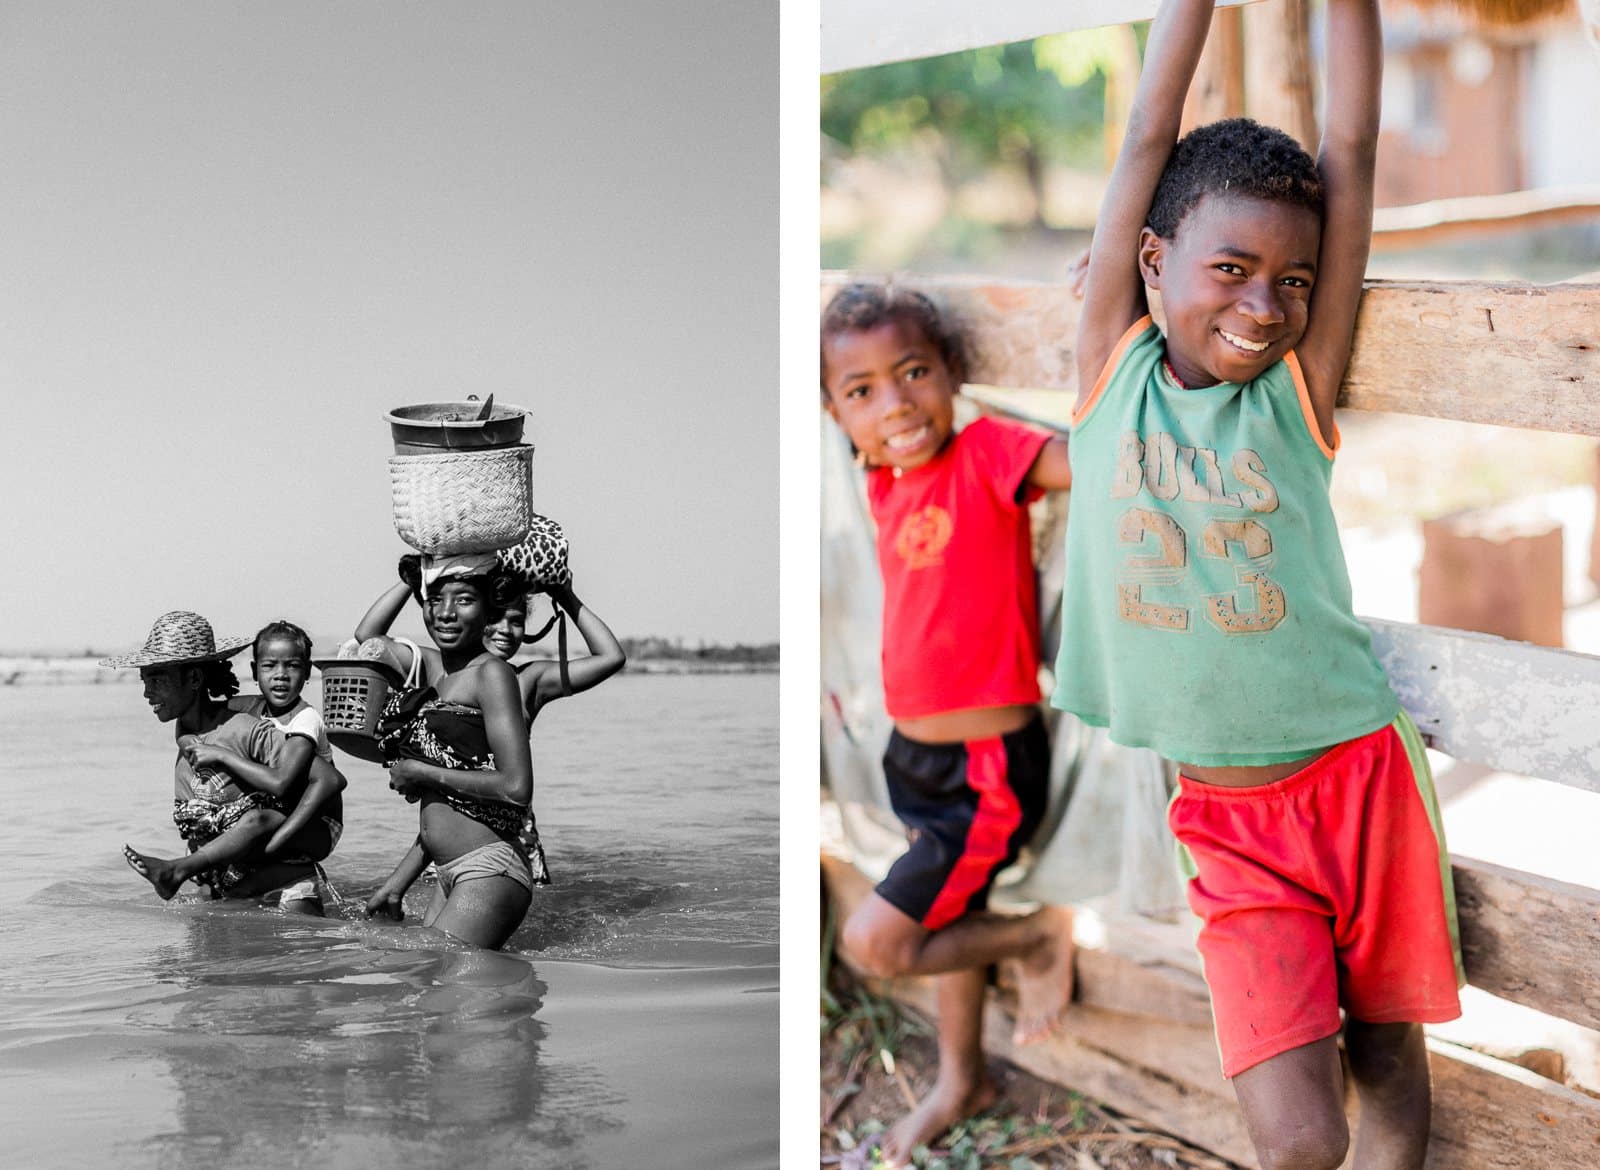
(1237, 156)
(282, 629)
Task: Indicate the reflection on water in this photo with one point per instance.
(631, 1021)
(301, 1030)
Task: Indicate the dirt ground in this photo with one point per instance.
(1035, 1125)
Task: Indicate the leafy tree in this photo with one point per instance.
(1025, 105)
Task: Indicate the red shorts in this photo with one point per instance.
(1330, 888)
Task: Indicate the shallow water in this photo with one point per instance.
(631, 1020)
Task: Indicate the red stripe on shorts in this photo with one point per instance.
(997, 818)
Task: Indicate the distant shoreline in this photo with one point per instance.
(27, 670)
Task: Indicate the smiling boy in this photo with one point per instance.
(1208, 614)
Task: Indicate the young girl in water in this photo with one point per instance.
(280, 663)
(455, 742)
(219, 807)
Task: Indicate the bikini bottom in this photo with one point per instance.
(497, 859)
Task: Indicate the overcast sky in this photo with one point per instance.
(235, 234)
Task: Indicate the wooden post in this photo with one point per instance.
(1277, 68)
(1121, 82)
(1493, 570)
(1218, 88)
(1594, 535)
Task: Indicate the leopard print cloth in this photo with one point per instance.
(541, 558)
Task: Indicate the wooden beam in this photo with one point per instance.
(1217, 90)
(861, 33)
(1442, 221)
(1277, 68)
(1507, 353)
(1521, 355)
(1508, 705)
(1531, 939)
(1491, 1115)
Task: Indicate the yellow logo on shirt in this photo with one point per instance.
(923, 536)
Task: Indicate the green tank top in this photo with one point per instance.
(1207, 608)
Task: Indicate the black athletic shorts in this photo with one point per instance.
(968, 808)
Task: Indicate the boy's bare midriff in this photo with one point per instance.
(1249, 776)
(968, 724)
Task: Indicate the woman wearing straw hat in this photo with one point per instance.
(226, 819)
(455, 743)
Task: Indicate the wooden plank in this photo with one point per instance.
(1442, 221)
(1530, 939)
(1507, 353)
(1153, 971)
(1508, 705)
(1521, 355)
(860, 33)
(1491, 1115)
(1023, 333)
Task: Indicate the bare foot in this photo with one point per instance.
(1044, 978)
(155, 870)
(948, 1102)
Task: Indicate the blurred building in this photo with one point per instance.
(1475, 111)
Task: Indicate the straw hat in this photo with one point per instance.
(179, 637)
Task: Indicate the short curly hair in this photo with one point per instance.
(867, 304)
(1237, 156)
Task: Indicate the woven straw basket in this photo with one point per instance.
(462, 501)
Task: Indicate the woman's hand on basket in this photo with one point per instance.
(409, 778)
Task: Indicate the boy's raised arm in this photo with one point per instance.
(1346, 163)
(1115, 296)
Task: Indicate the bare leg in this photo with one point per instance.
(435, 906)
(1293, 1105)
(484, 911)
(240, 842)
(887, 942)
(1389, 1064)
(963, 1087)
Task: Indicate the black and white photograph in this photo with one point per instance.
(390, 657)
